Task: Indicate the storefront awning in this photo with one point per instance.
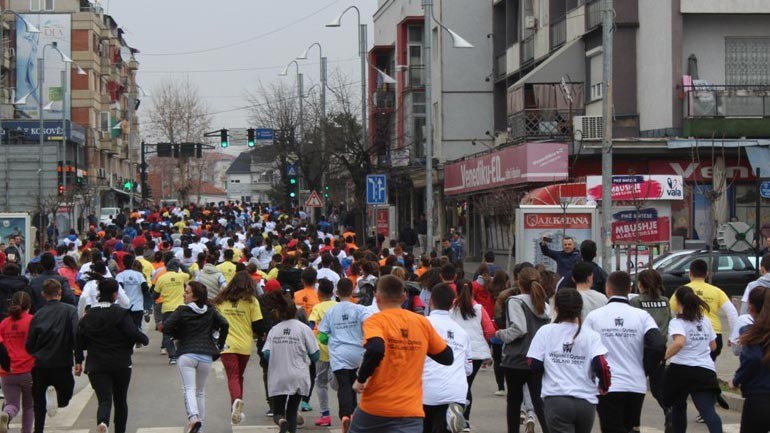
(692, 143)
(567, 60)
(759, 158)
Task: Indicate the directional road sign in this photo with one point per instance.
(266, 134)
(314, 200)
(376, 189)
(764, 189)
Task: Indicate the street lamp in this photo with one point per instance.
(323, 78)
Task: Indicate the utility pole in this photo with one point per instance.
(427, 6)
(41, 136)
(607, 110)
(131, 172)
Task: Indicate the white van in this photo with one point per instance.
(107, 214)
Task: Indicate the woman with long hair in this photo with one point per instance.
(569, 357)
(498, 288)
(193, 326)
(288, 376)
(69, 270)
(524, 315)
(238, 303)
(691, 371)
(90, 294)
(753, 375)
(108, 334)
(16, 377)
(481, 293)
(473, 318)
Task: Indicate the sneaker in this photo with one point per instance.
(300, 421)
(269, 413)
(699, 419)
(500, 393)
(455, 419)
(467, 427)
(522, 417)
(325, 421)
(722, 402)
(283, 425)
(5, 419)
(101, 428)
(172, 361)
(305, 407)
(163, 351)
(51, 402)
(147, 317)
(345, 424)
(194, 426)
(530, 425)
(236, 414)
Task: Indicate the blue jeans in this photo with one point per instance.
(704, 402)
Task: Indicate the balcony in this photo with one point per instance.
(727, 111)
(384, 100)
(415, 77)
(724, 7)
(558, 31)
(540, 124)
(501, 66)
(593, 14)
(528, 50)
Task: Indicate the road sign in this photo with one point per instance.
(266, 134)
(314, 200)
(376, 189)
(764, 189)
(292, 170)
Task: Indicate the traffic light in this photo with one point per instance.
(128, 186)
(293, 186)
(326, 191)
(61, 189)
(224, 138)
(252, 139)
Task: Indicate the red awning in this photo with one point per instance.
(572, 193)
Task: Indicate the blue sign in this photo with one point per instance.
(292, 170)
(376, 189)
(29, 131)
(764, 189)
(266, 134)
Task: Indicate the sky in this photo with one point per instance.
(226, 51)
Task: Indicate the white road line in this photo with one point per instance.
(726, 428)
(236, 429)
(66, 417)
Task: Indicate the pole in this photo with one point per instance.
(607, 110)
(323, 119)
(301, 138)
(362, 43)
(2, 131)
(757, 228)
(427, 42)
(41, 134)
(143, 169)
(131, 173)
(64, 127)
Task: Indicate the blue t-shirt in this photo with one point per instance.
(342, 323)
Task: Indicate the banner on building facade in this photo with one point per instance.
(651, 224)
(29, 47)
(530, 162)
(638, 187)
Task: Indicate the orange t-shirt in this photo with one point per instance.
(420, 271)
(306, 298)
(395, 388)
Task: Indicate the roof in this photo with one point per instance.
(241, 165)
(264, 154)
(155, 181)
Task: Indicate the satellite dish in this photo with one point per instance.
(735, 236)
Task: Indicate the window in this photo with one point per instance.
(50, 5)
(747, 61)
(34, 5)
(594, 59)
(104, 121)
(414, 34)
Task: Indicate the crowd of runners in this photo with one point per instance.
(396, 338)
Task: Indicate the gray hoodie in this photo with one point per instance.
(763, 281)
(212, 278)
(517, 322)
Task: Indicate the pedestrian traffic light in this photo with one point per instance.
(61, 189)
(252, 139)
(224, 138)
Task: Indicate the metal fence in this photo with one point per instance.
(727, 101)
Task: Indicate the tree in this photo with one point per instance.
(178, 115)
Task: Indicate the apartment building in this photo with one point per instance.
(251, 177)
(95, 106)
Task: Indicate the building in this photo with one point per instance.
(462, 99)
(95, 108)
(252, 175)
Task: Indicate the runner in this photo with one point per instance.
(193, 326)
(211, 277)
(16, 381)
(171, 288)
(763, 280)
(108, 333)
(134, 286)
(239, 305)
(11, 281)
(290, 349)
(390, 377)
(583, 279)
(90, 295)
(306, 299)
(569, 357)
(323, 371)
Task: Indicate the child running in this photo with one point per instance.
(323, 372)
(16, 380)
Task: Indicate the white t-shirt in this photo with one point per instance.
(290, 343)
(87, 268)
(90, 297)
(622, 328)
(567, 361)
(329, 275)
(698, 335)
(743, 321)
(444, 384)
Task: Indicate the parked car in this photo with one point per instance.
(731, 271)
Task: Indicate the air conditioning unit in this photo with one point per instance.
(530, 22)
(102, 173)
(588, 127)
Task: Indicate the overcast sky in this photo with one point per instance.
(239, 43)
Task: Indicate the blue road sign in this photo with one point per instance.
(764, 189)
(376, 189)
(265, 134)
(292, 170)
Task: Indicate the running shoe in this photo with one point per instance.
(194, 426)
(500, 393)
(345, 424)
(5, 419)
(467, 427)
(283, 425)
(269, 413)
(529, 426)
(699, 419)
(236, 414)
(172, 361)
(722, 402)
(455, 419)
(300, 421)
(101, 428)
(146, 317)
(305, 407)
(163, 351)
(522, 417)
(325, 421)
(51, 402)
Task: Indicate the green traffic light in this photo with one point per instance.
(252, 144)
(292, 194)
(128, 185)
(292, 181)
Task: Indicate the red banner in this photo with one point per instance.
(654, 231)
(557, 221)
(383, 221)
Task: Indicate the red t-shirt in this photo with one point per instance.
(483, 297)
(14, 335)
(138, 241)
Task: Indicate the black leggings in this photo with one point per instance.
(476, 366)
(497, 358)
(755, 417)
(286, 407)
(112, 386)
(306, 398)
(346, 396)
(61, 379)
(515, 380)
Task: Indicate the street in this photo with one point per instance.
(156, 405)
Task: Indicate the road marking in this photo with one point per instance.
(726, 428)
(236, 429)
(67, 416)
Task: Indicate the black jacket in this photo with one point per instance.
(35, 289)
(8, 286)
(108, 334)
(193, 331)
(290, 277)
(52, 334)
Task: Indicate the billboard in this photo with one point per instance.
(29, 47)
(638, 187)
(651, 224)
(17, 225)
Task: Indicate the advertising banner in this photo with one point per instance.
(535, 222)
(530, 162)
(16, 225)
(647, 225)
(29, 47)
(638, 187)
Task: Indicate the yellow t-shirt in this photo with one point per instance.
(181, 225)
(240, 315)
(146, 269)
(227, 269)
(237, 254)
(713, 296)
(318, 313)
(192, 270)
(272, 274)
(170, 285)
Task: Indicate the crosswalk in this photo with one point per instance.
(726, 428)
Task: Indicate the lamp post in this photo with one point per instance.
(303, 56)
(31, 29)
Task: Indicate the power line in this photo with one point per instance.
(260, 68)
(251, 39)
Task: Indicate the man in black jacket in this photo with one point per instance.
(587, 254)
(51, 341)
(48, 262)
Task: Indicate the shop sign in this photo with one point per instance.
(638, 187)
(647, 225)
(557, 221)
(530, 162)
